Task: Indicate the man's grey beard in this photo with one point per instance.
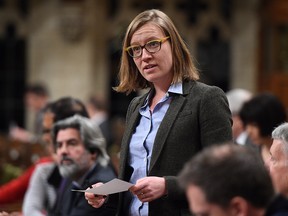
(69, 171)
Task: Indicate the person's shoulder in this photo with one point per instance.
(201, 88)
(136, 101)
(45, 168)
(278, 206)
(104, 173)
(42, 160)
(142, 96)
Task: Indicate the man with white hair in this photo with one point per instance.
(82, 160)
(278, 164)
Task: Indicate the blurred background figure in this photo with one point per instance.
(260, 116)
(17, 157)
(41, 195)
(14, 190)
(82, 160)
(278, 165)
(247, 191)
(236, 98)
(36, 98)
(97, 108)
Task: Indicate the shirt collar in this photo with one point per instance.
(176, 88)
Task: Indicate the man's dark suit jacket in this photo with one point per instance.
(278, 206)
(74, 203)
(198, 118)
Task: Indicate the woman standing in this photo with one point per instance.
(165, 127)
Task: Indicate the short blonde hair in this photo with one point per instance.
(183, 66)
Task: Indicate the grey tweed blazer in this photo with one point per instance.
(198, 118)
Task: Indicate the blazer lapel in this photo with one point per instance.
(165, 127)
(163, 130)
(168, 121)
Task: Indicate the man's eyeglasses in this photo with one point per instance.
(151, 46)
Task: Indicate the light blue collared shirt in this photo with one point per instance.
(142, 142)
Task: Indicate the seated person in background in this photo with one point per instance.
(15, 189)
(230, 180)
(82, 160)
(278, 164)
(41, 195)
(36, 97)
(261, 115)
(98, 112)
(236, 98)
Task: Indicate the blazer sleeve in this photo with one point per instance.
(214, 122)
(215, 118)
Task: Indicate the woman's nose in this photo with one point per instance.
(145, 54)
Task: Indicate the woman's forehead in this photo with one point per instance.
(147, 30)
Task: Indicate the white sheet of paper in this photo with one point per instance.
(111, 187)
